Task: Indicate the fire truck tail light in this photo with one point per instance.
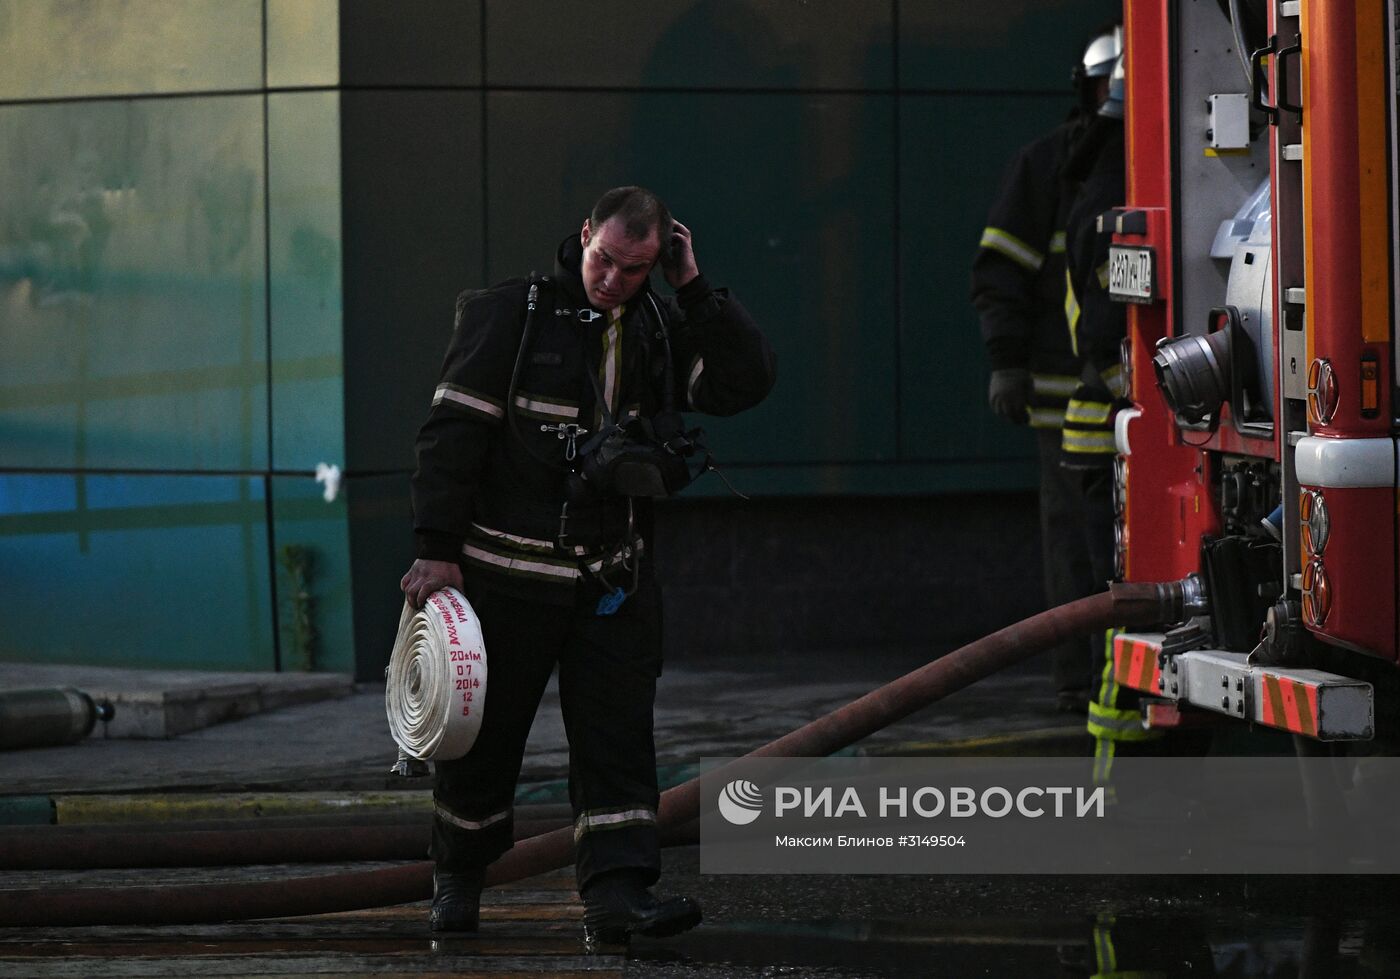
(1317, 525)
(1323, 392)
(1317, 593)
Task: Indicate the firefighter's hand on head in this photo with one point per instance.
(426, 577)
(1009, 393)
(678, 257)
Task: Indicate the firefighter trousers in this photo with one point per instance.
(1115, 716)
(1065, 556)
(608, 665)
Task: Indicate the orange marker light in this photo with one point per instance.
(1370, 385)
(1317, 594)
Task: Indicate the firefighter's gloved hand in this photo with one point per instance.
(1009, 393)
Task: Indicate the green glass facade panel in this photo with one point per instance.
(305, 263)
(412, 204)
(132, 284)
(790, 198)
(1012, 46)
(381, 550)
(749, 44)
(338, 569)
(311, 544)
(303, 43)
(52, 49)
(954, 150)
(158, 571)
(427, 42)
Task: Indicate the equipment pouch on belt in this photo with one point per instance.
(640, 457)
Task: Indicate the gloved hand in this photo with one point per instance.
(1009, 392)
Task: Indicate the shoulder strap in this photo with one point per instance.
(598, 393)
(668, 378)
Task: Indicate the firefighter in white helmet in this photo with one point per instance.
(1096, 183)
(1018, 287)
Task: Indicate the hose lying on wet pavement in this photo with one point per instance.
(1128, 605)
(340, 838)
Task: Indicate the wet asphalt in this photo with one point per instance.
(849, 926)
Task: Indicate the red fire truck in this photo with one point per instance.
(1259, 457)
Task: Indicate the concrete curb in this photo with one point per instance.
(173, 807)
(167, 713)
(168, 703)
(26, 810)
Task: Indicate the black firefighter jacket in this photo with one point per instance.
(1101, 322)
(1097, 323)
(490, 494)
(1018, 274)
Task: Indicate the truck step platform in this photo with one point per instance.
(1313, 703)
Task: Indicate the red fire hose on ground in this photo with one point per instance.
(1131, 605)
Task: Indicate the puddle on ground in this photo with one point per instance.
(1250, 948)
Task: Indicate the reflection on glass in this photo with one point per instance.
(304, 227)
(61, 49)
(123, 551)
(303, 43)
(132, 284)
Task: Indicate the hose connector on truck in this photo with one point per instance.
(1258, 250)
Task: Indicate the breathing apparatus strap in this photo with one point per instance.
(532, 302)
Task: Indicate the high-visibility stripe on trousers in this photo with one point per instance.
(1050, 394)
(1114, 716)
(1089, 424)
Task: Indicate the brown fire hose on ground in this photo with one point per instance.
(1130, 605)
(333, 838)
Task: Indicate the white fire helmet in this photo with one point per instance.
(1112, 107)
(1100, 55)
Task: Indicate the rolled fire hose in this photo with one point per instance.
(49, 717)
(435, 686)
(1128, 605)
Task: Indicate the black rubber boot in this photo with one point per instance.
(456, 901)
(617, 906)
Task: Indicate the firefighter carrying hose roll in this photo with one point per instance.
(555, 424)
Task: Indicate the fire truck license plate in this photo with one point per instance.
(1130, 274)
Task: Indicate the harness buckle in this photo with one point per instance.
(570, 431)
